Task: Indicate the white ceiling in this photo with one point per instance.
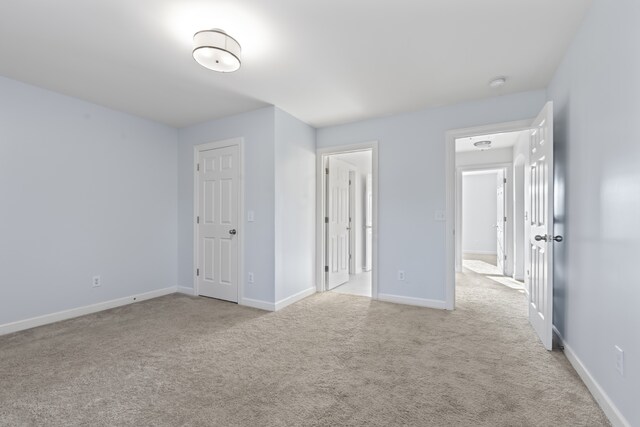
(500, 140)
(360, 159)
(325, 62)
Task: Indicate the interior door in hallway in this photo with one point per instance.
(540, 271)
(218, 178)
(368, 234)
(337, 219)
(500, 221)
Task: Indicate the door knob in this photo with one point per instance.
(540, 238)
(558, 239)
(233, 232)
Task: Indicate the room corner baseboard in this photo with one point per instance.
(46, 319)
(186, 290)
(259, 304)
(606, 404)
(295, 298)
(420, 302)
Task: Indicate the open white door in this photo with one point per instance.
(540, 277)
(368, 227)
(337, 223)
(500, 221)
(218, 177)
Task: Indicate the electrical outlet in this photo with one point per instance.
(619, 360)
(401, 275)
(439, 216)
(250, 277)
(96, 281)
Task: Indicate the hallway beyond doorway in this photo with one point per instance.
(358, 284)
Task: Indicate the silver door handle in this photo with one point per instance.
(540, 238)
(558, 239)
(233, 232)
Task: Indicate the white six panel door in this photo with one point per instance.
(540, 298)
(218, 223)
(500, 222)
(369, 224)
(338, 223)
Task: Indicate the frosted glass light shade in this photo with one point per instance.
(216, 50)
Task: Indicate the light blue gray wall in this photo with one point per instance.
(412, 183)
(596, 92)
(84, 191)
(257, 129)
(295, 203)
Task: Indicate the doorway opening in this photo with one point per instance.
(489, 210)
(347, 220)
(523, 149)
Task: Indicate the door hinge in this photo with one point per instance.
(198, 166)
(326, 171)
(505, 219)
(197, 220)
(197, 272)
(326, 220)
(505, 257)
(505, 180)
(349, 182)
(326, 268)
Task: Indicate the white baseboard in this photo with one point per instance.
(33, 322)
(259, 304)
(420, 302)
(479, 253)
(608, 407)
(186, 290)
(294, 298)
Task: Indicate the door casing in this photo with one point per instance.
(321, 156)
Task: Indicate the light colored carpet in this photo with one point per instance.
(329, 360)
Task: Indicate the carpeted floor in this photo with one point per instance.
(328, 360)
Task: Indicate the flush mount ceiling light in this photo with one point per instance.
(497, 82)
(482, 144)
(216, 50)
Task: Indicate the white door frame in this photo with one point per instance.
(459, 208)
(321, 155)
(239, 142)
(450, 186)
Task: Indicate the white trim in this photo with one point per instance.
(279, 305)
(321, 154)
(241, 224)
(420, 302)
(259, 304)
(450, 185)
(186, 290)
(46, 319)
(608, 407)
(479, 253)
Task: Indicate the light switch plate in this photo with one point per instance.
(251, 216)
